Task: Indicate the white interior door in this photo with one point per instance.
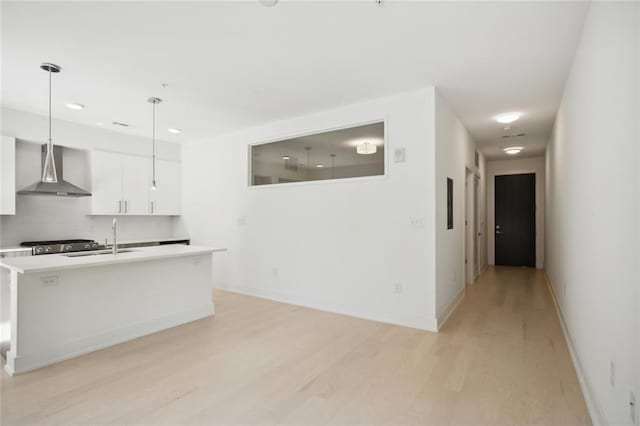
(106, 183)
(135, 184)
(469, 230)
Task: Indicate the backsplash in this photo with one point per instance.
(49, 218)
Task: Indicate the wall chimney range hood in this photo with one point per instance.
(61, 187)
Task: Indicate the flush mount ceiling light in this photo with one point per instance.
(286, 157)
(49, 174)
(507, 118)
(512, 150)
(319, 166)
(75, 106)
(174, 130)
(366, 148)
(154, 102)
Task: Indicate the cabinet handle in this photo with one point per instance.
(119, 206)
(125, 206)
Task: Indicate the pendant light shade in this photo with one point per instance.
(154, 185)
(49, 174)
(366, 148)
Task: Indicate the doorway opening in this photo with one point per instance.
(515, 220)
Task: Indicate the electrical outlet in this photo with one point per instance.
(398, 155)
(612, 374)
(50, 281)
(633, 408)
(397, 288)
(275, 272)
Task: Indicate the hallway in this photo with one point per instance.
(501, 359)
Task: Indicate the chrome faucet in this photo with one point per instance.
(114, 248)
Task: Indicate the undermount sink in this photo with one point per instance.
(96, 253)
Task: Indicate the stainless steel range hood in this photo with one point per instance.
(61, 188)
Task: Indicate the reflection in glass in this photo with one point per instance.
(337, 154)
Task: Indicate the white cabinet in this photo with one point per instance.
(7, 175)
(121, 185)
(166, 199)
(106, 183)
(135, 184)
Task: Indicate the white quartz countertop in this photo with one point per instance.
(53, 262)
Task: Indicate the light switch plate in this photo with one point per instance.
(398, 155)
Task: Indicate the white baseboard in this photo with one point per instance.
(412, 321)
(23, 363)
(592, 405)
(449, 310)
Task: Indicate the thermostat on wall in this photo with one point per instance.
(398, 155)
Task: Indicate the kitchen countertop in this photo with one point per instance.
(53, 262)
(20, 249)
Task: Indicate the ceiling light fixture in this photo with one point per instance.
(507, 118)
(174, 130)
(512, 150)
(319, 166)
(366, 148)
(49, 174)
(154, 101)
(286, 157)
(75, 106)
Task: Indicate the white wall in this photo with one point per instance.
(44, 217)
(512, 167)
(340, 245)
(454, 153)
(592, 209)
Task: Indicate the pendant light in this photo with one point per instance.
(49, 174)
(366, 148)
(154, 101)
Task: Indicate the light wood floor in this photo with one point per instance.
(501, 359)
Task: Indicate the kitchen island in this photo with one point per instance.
(65, 305)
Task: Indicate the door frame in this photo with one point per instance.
(470, 251)
(514, 167)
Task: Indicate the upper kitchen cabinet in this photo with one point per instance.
(8, 175)
(166, 199)
(106, 183)
(121, 185)
(135, 185)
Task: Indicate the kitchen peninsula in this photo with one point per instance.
(65, 305)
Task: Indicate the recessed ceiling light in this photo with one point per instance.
(174, 130)
(286, 157)
(512, 150)
(75, 106)
(99, 124)
(319, 166)
(507, 118)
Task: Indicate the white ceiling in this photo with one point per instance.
(235, 64)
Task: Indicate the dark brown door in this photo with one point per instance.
(515, 209)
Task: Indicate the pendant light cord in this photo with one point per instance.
(50, 108)
(154, 143)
